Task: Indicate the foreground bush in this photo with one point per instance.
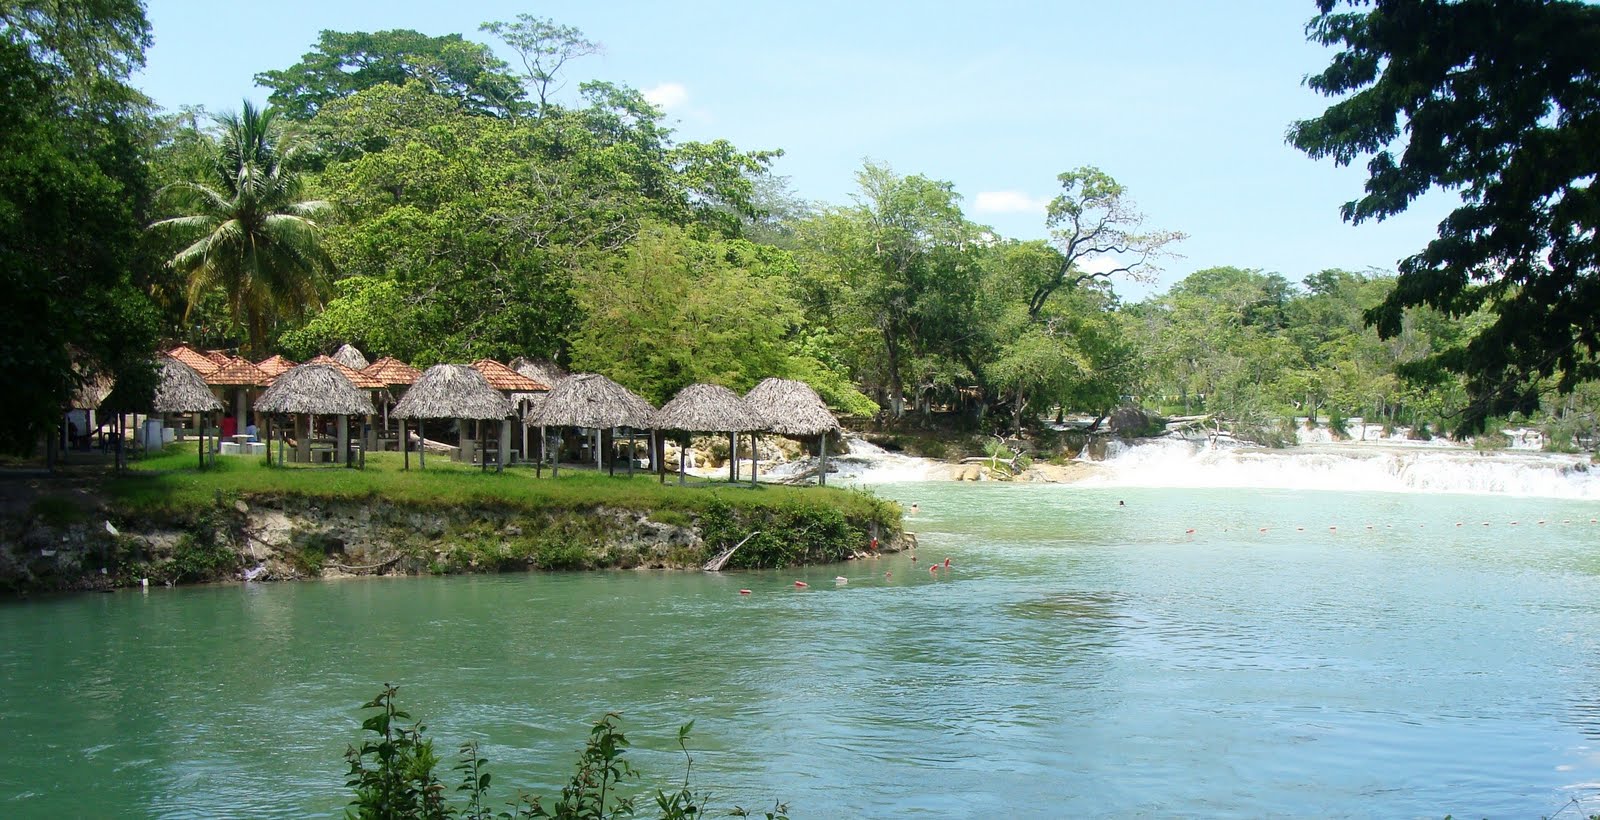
(393, 777)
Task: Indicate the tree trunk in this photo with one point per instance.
(897, 393)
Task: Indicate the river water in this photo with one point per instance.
(1079, 658)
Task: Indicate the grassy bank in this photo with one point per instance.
(171, 484)
(168, 521)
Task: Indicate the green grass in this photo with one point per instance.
(171, 483)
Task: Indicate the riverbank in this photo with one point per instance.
(168, 522)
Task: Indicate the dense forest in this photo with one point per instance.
(421, 197)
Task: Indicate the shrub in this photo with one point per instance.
(393, 777)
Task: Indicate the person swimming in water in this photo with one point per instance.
(914, 508)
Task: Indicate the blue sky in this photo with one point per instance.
(1185, 103)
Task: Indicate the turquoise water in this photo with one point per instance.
(1079, 658)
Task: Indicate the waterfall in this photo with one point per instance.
(1389, 466)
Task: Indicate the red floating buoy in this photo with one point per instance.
(744, 592)
(947, 563)
(1189, 531)
(801, 584)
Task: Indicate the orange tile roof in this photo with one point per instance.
(221, 357)
(392, 371)
(275, 365)
(200, 362)
(356, 377)
(238, 373)
(504, 378)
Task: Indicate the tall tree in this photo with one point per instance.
(249, 232)
(346, 62)
(544, 48)
(898, 265)
(72, 195)
(1094, 220)
(1499, 100)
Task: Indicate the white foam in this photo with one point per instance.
(1369, 467)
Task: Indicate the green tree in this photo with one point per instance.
(672, 311)
(1094, 219)
(544, 48)
(894, 274)
(344, 63)
(1499, 100)
(250, 233)
(73, 193)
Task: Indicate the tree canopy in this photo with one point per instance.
(1498, 100)
(344, 63)
(73, 192)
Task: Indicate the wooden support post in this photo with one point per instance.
(505, 447)
(555, 460)
(201, 447)
(683, 458)
(608, 440)
(631, 437)
(754, 457)
(405, 447)
(822, 463)
(422, 444)
(733, 457)
(341, 438)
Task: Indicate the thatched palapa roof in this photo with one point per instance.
(275, 365)
(238, 373)
(791, 408)
(505, 379)
(182, 390)
(92, 392)
(351, 358)
(707, 408)
(452, 391)
(354, 376)
(591, 400)
(197, 361)
(392, 372)
(319, 389)
(542, 371)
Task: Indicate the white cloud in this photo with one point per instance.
(1008, 202)
(667, 96)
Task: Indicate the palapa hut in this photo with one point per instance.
(544, 372)
(791, 408)
(593, 401)
(182, 390)
(275, 365)
(315, 389)
(362, 382)
(351, 358)
(244, 378)
(451, 391)
(511, 384)
(710, 408)
(396, 376)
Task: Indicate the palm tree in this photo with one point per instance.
(250, 232)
